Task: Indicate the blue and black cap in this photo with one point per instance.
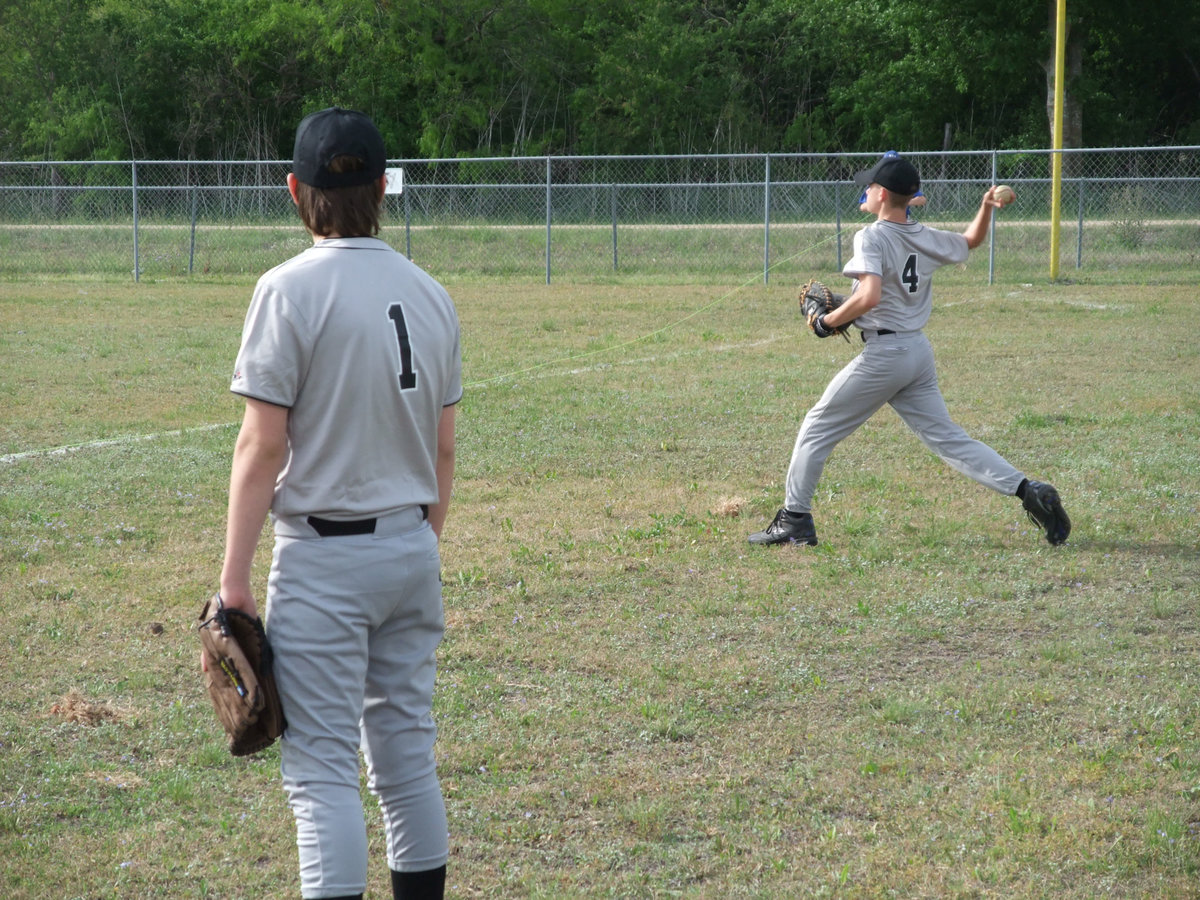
(893, 172)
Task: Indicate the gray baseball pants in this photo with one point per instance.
(354, 622)
(897, 369)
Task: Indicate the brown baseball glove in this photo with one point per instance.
(815, 301)
(239, 677)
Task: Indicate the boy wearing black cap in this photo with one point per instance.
(892, 267)
(350, 366)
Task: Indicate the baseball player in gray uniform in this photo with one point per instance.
(892, 267)
(350, 367)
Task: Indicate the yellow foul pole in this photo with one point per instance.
(1060, 69)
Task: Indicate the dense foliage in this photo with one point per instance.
(113, 79)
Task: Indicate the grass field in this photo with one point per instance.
(632, 701)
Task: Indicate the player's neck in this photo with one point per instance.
(893, 214)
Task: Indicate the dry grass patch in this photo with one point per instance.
(74, 707)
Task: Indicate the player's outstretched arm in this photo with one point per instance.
(977, 231)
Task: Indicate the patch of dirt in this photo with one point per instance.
(74, 707)
(730, 507)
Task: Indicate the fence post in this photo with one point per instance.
(612, 195)
(192, 240)
(407, 221)
(1079, 231)
(547, 220)
(136, 268)
(767, 219)
(837, 219)
(992, 233)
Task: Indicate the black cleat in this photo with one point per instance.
(1045, 509)
(788, 527)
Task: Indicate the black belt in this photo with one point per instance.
(334, 528)
(877, 331)
(331, 528)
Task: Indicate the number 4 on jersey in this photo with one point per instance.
(910, 276)
(408, 375)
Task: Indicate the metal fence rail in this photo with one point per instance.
(581, 218)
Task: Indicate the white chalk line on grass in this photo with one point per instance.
(1025, 293)
(529, 371)
(653, 334)
(179, 432)
(584, 370)
(1015, 295)
(110, 442)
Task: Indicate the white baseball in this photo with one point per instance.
(1004, 195)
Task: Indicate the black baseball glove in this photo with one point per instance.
(815, 301)
(239, 677)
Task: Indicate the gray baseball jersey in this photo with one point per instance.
(905, 257)
(363, 347)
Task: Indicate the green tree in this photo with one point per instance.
(1136, 72)
(57, 104)
(474, 77)
(219, 78)
(666, 78)
(230, 78)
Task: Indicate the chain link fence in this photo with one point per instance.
(1128, 214)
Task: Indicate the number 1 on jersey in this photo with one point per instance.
(408, 375)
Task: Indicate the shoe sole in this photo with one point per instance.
(772, 541)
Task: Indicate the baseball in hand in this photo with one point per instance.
(1004, 195)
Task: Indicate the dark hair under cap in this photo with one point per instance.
(333, 132)
(893, 172)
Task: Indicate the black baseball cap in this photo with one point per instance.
(334, 132)
(893, 172)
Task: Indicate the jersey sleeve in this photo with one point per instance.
(867, 258)
(952, 247)
(273, 354)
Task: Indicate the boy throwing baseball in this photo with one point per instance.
(892, 267)
(350, 368)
